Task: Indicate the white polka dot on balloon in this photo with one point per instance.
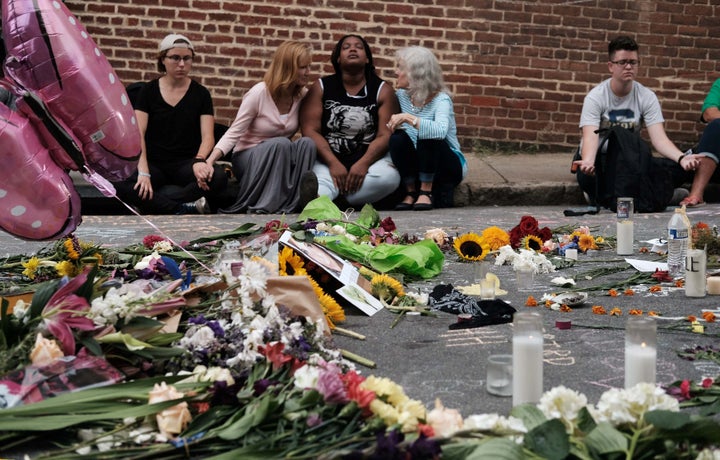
(36, 224)
(18, 210)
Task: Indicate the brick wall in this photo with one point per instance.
(518, 69)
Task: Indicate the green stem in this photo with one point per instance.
(358, 359)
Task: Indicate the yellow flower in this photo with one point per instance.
(290, 264)
(334, 313)
(31, 267)
(66, 268)
(495, 237)
(586, 242)
(72, 252)
(471, 246)
(386, 287)
(532, 243)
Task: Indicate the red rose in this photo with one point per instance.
(388, 225)
(528, 225)
(516, 235)
(545, 234)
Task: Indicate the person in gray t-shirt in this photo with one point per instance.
(620, 100)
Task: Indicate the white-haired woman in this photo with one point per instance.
(424, 145)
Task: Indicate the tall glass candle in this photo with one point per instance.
(625, 208)
(640, 350)
(527, 357)
(695, 266)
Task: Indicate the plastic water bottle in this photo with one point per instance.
(678, 241)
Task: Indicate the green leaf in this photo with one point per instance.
(667, 420)
(549, 440)
(129, 341)
(497, 449)
(585, 421)
(243, 230)
(42, 294)
(605, 439)
(87, 288)
(711, 409)
(529, 414)
(368, 217)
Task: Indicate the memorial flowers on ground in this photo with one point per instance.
(214, 364)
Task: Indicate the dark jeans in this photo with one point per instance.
(679, 177)
(173, 184)
(432, 161)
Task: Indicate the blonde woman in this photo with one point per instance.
(269, 166)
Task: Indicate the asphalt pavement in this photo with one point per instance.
(429, 359)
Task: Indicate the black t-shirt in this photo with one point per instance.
(173, 133)
(349, 123)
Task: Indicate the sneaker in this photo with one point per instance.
(202, 206)
(308, 189)
(187, 208)
(679, 194)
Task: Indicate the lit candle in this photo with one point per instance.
(527, 358)
(695, 264)
(713, 285)
(624, 237)
(625, 209)
(640, 350)
(571, 254)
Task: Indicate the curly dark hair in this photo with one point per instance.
(369, 67)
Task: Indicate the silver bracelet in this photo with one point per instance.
(143, 174)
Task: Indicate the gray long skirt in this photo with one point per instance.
(269, 175)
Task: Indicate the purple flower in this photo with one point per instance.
(313, 420)
(331, 386)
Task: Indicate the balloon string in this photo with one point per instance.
(107, 189)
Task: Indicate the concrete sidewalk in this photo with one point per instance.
(492, 180)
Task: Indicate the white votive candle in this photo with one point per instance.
(640, 350)
(640, 362)
(624, 237)
(571, 254)
(713, 285)
(527, 358)
(695, 264)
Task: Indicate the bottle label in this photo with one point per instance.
(677, 233)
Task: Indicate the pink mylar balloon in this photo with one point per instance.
(37, 198)
(51, 56)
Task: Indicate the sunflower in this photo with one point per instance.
(495, 237)
(532, 242)
(334, 313)
(386, 287)
(290, 264)
(586, 242)
(71, 248)
(471, 246)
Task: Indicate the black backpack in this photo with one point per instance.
(628, 169)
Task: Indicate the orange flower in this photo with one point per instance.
(644, 250)
(709, 316)
(679, 283)
(655, 288)
(598, 310)
(548, 303)
(635, 312)
(531, 302)
(692, 318)
(615, 312)
(629, 291)
(564, 308)
(653, 313)
(701, 225)
(613, 293)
